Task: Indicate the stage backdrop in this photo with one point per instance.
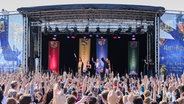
(84, 50)
(53, 56)
(133, 56)
(11, 43)
(101, 49)
(172, 43)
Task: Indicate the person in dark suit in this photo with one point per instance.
(102, 74)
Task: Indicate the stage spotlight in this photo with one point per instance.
(84, 37)
(45, 29)
(68, 37)
(119, 37)
(50, 29)
(108, 31)
(97, 35)
(133, 38)
(101, 37)
(119, 30)
(75, 30)
(54, 37)
(98, 30)
(138, 29)
(90, 35)
(56, 30)
(67, 30)
(86, 29)
(129, 29)
(114, 36)
(73, 36)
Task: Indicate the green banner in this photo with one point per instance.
(133, 56)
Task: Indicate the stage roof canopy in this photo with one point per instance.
(91, 11)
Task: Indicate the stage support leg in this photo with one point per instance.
(157, 32)
(26, 41)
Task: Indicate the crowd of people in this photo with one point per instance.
(50, 88)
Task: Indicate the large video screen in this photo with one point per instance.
(172, 43)
(11, 42)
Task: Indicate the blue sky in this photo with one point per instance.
(12, 5)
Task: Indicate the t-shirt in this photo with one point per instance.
(4, 100)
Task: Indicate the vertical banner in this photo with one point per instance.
(53, 56)
(172, 44)
(84, 50)
(101, 49)
(133, 56)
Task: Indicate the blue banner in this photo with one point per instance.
(172, 43)
(11, 42)
(101, 49)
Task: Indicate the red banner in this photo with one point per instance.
(53, 56)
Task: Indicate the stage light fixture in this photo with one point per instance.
(45, 29)
(56, 30)
(50, 29)
(133, 38)
(114, 36)
(67, 30)
(129, 29)
(90, 35)
(108, 31)
(119, 30)
(68, 37)
(97, 35)
(101, 37)
(119, 37)
(138, 29)
(75, 30)
(84, 37)
(98, 30)
(86, 29)
(73, 36)
(54, 38)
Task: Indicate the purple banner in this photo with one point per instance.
(101, 49)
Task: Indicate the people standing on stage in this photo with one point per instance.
(108, 69)
(89, 70)
(97, 66)
(80, 66)
(106, 66)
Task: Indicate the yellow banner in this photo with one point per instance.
(84, 50)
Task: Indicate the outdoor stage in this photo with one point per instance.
(130, 32)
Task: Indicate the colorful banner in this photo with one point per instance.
(172, 43)
(133, 56)
(84, 51)
(101, 49)
(11, 42)
(53, 56)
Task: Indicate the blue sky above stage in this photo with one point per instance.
(13, 5)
